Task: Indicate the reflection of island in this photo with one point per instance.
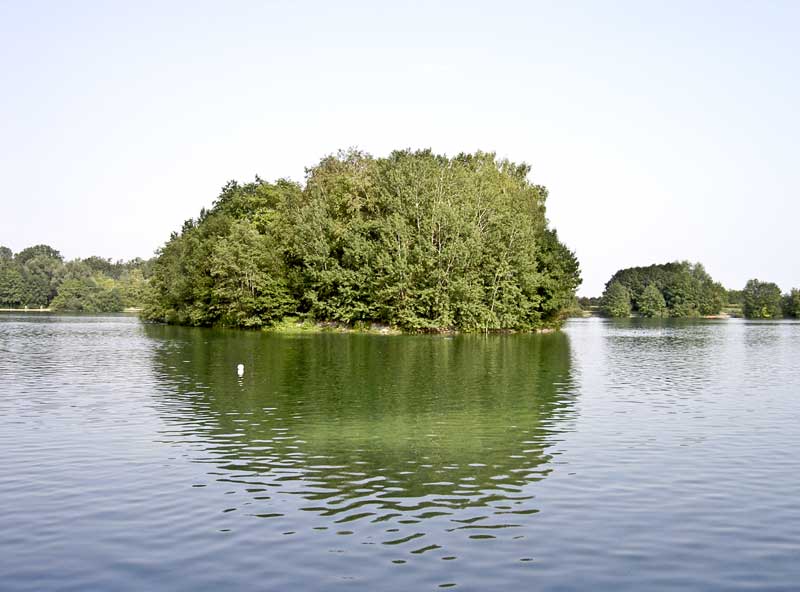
(367, 428)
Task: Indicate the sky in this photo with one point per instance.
(663, 130)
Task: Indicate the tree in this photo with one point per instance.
(13, 293)
(762, 300)
(42, 251)
(652, 303)
(40, 268)
(415, 240)
(103, 266)
(681, 296)
(250, 287)
(617, 301)
(791, 304)
(132, 287)
(561, 276)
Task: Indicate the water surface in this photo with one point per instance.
(611, 456)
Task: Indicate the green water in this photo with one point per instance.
(428, 415)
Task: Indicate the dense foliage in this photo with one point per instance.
(685, 289)
(415, 240)
(652, 302)
(791, 304)
(682, 289)
(38, 277)
(616, 301)
(762, 300)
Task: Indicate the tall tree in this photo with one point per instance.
(762, 300)
(652, 303)
(40, 268)
(13, 290)
(617, 301)
(250, 287)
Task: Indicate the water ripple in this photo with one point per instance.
(615, 456)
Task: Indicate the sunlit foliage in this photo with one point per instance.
(415, 240)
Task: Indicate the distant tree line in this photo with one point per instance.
(682, 289)
(38, 277)
(587, 303)
(415, 240)
(677, 289)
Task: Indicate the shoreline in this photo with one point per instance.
(295, 326)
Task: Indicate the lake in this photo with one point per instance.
(614, 455)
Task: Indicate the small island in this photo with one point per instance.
(415, 241)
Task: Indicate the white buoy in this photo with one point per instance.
(240, 370)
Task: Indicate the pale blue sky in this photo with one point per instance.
(663, 130)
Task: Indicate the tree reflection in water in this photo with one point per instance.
(391, 438)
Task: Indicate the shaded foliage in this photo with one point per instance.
(791, 304)
(414, 240)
